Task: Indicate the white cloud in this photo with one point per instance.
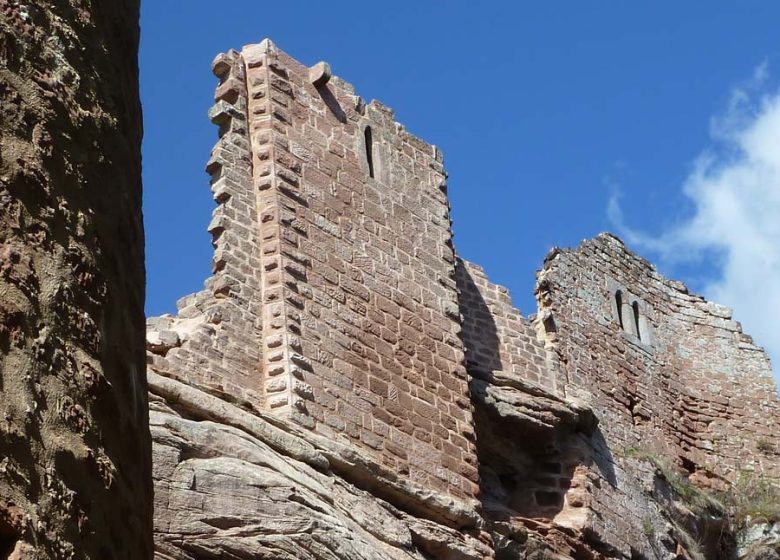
(735, 191)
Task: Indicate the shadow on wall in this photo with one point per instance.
(9, 536)
(478, 333)
(534, 448)
(332, 103)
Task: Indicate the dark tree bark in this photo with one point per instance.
(75, 463)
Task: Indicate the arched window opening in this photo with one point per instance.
(369, 151)
(619, 303)
(635, 307)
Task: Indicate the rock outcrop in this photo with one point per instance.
(236, 483)
(75, 449)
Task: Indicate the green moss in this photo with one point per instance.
(647, 526)
(749, 499)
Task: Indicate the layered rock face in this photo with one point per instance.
(75, 450)
(345, 387)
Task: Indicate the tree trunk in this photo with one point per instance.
(75, 463)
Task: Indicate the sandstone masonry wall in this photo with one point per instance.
(335, 269)
(342, 366)
(215, 338)
(375, 283)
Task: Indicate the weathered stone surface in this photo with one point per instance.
(320, 74)
(497, 337)
(238, 484)
(759, 541)
(344, 386)
(75, 450)
(688, 382)
(333, 301)
(515, 400)
(664, 370)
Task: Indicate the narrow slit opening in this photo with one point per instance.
(619, 302)
(635, 307)
(369, 151)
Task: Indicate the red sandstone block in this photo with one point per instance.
(377, 386)
(352, 429)
(404, 425)
(395, 449)
(452, 463)
(425, 410)
(423, 434)
(441, 433)
(403, 358)
(387, 306)
(460, 441)
(426, 396)
(335, 422)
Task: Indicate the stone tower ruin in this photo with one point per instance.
(335, 270)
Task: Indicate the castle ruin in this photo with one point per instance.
(345, 386)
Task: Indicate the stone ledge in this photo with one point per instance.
(515, 399)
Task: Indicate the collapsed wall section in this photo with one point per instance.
(495, 334)
(663, 368)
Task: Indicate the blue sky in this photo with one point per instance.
(558, 120)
